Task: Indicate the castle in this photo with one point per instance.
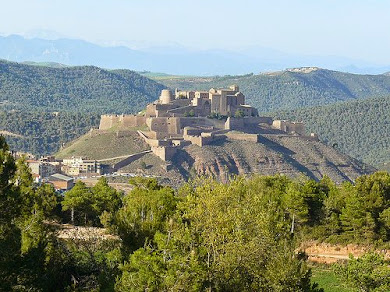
(198, 117)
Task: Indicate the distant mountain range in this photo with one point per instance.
(171, 59)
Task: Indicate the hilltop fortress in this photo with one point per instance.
(199, 117)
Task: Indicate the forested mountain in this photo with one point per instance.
(359, 128)
(44, 133)
(74, 89)
(293, 88)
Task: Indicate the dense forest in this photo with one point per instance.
(359, 128)
(74, 89)
(206, 236)
(289, 90)
(43, 133)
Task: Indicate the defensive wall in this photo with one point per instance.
(122, 121)
(243, 137)
(171, 127)
(290, 127)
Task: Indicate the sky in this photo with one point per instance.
(357, 29)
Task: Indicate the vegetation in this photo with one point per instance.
(240, 236)
(327, 279)
(290, 90)
(110, 145)
(74, 89)
(40, 91)
(43, 133)
(368, 273)
(358, 128)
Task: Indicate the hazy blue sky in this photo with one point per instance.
(354, 28)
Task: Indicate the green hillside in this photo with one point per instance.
(103, 145)
(74, 89)
(44, 133)
(292, 89)
(358, 128)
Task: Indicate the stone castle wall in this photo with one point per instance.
(165, 153)
(125, 121)
(290, 127)
(108, 121)
(244, 137)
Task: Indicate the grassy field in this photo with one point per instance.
(104, 145)
(326, 278)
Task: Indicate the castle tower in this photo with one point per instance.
(166, 96)
(234, 87)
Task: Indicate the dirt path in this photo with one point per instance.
(124, 156)
(330, 253)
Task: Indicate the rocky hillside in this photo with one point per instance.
(289, 155)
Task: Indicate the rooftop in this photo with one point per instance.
(58, 176)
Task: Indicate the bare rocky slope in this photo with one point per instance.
(275, 154)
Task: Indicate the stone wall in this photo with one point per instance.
(244, 137)
(165, 153)
(234, 123)
(132, 121)
(290, 127)
(258, 120)
(164, 126)
(108, 121)
(123, 121)
(201, 140)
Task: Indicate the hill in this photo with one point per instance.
(289, 155)
(292, 88)
(111, 144)
(43, 133)
(74, 89)
(360, 128)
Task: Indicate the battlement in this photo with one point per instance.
(121, 121)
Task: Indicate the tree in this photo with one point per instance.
(78, 200)
(364, 204)
(370, 272)
(223, 237)
(9, 210)
(145, 211)
(105, 201)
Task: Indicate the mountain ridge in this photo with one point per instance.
(173, 59)
(283, 90)
(78, 88)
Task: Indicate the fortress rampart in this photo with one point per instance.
(198, 117)
(121, 121)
